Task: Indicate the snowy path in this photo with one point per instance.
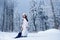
(51, 34)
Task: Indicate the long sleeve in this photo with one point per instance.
(25, 28)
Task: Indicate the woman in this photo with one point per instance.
(24, 27)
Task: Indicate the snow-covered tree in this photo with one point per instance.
(8, 15)
(33, 12)
(55, 12)
(41, 17)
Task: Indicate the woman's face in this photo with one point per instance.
(23, 16)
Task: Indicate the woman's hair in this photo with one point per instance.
(26, 18)
(24, 14)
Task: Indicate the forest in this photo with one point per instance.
(42, 15)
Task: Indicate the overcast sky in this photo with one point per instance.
(22, 5)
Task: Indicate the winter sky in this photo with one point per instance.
(21, 5)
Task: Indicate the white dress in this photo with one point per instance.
(25, 28)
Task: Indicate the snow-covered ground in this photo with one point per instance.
(51, 34)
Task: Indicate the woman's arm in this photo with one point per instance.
(22, 28)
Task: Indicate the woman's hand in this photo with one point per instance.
(21, 28)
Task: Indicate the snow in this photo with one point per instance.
(51, 34)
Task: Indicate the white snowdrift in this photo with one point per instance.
(51, 34)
